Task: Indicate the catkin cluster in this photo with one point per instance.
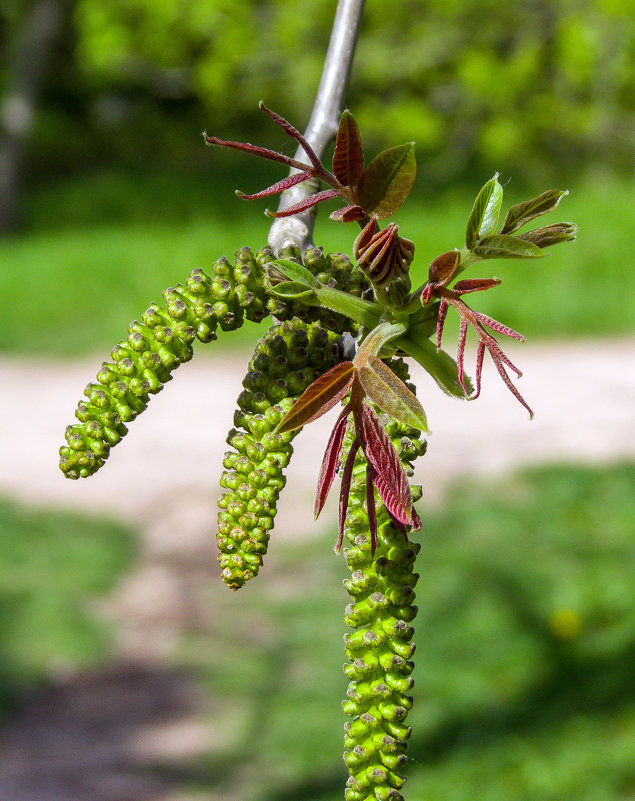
(143, 362)
(379, 651)
(288, 358)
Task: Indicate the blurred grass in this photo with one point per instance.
(526, 644)
(111, 244)
(54, 566)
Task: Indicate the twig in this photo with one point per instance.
(322, 127)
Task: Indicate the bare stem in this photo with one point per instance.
(322, 127)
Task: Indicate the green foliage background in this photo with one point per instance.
(536, 88)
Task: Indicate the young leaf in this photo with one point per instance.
(348, 157)
(551, 234)
(291, 290)
(347, 214)
(484, 216)
(522, 213)
(318, 197)
(501, 246)
(387, 181)
(390, 477)
(319, 397)
(329, 462)
(391, 395)
(295, 272)
(280, 186)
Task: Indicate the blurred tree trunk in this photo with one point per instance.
(32, 50)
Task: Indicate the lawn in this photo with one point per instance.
(71, 289)
(526, 642)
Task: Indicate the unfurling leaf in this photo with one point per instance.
(293, 271)
(391, 395)
(303, 205)
(551, 234)
(280, 186)
(390, 477)
(501, 246)
(319, 397)
(347, 214)
(484, 215)
(387, 181)
(348, 157)
(443, 267)
(330, 462)
(522, 213)
(290, 290)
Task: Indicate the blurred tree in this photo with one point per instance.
(532, 89)
(32, 29)
(516, 85)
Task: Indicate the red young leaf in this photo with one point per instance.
(293, 132)
(319, 397)
(347, 476)
(348, 157)
(327, 194)
(387, 181)
(262, 152)
(347, 214)
(391, 479)
(280, 186)
(370, 507)
(329, 463)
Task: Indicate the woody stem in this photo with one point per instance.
(298, 229)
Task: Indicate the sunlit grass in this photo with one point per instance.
(73, 290)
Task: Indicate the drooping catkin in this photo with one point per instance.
(288, 358)
(379, 650)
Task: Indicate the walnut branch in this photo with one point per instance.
(298, 229)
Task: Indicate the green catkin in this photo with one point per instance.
(288, 358)
(144, 361)
(379, 651)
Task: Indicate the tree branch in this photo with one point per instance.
(322, 127)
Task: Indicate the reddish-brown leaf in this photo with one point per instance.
(370, 507)
(293, 132)
(347, 475)
(391, 479)
(347, 214)
(280, 186)
(319, 397)
(329, 462)
(348, 157)
(327, 194)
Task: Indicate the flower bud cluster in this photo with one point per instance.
(379, 650)
(144, 361)
(334, 270)
(288, 358)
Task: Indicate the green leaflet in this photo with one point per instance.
(379, 650)
(333, 269)
(144, 361)
(288, 358)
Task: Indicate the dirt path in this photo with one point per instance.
(90, 738)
